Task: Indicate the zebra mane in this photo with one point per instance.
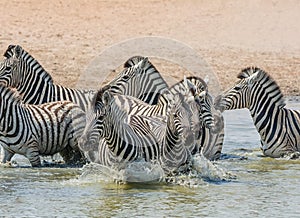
(247, 72)
(197, 81)
(260, 75)
(16, 51)
(14, 94)
(133, 61)
(9, 51)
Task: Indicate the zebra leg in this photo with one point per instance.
(7, 156)
(33, 155)
(292, 155)
(72, 156)
(67, 154)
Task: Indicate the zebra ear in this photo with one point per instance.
(98, 97)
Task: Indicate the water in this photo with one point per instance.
(242, 184)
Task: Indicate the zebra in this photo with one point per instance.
(278, 127)
(21, 71)
(208, 122)
(131, 136)
(33, 130)
(128, 82)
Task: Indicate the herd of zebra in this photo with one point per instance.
(136, 116)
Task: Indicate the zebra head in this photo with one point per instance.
(181, 116)
(9, 76)
(8, 73)
(13, 69)
(95, 118)
(199, 90)
(242, 93)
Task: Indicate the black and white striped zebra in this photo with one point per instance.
(34, 130)
(131, 134)
(207, 122)
(278, 127)
(21, 71)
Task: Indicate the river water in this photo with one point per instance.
(242, 184)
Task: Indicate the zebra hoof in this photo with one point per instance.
(293, 155)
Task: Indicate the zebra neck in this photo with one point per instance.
(37, 93)
(35, 82)
(266, 109)
(34, 69)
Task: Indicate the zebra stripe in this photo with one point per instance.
(278, 127)
(33, 130)
(139, 79)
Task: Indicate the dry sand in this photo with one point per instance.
(65, 35)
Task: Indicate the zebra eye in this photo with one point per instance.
(126, 77)
(237, 88)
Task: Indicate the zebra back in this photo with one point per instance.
(34, 130)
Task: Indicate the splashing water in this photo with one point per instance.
(134, 172)
(201, 171)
